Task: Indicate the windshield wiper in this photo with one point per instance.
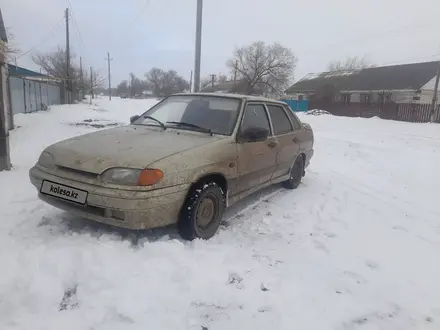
(157, 121)
(182, 123)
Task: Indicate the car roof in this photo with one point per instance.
(233, 96)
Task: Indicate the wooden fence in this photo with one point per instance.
(409, 112)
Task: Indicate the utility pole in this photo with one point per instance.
(5, 161)
(212, 81)
(68, 80)
(191, 82)
(91, 85)
(109, 77)
(198, 46)
(434, 113)
(235, 76)
(80, 67)
(81, 76)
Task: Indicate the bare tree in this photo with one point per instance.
(173, 83)
(163, 83)
(221, 78)
(261, 66)
(54, 63)
(137, 85)
(155, 80)
(205, 81)
(349, 64)
(8, 48)
(96, 82)
(122, 88)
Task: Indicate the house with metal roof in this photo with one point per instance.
(32, 91)
(406, 83)
(233, 87)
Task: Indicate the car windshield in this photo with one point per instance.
(216, 115)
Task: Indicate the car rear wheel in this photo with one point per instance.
(202, 212)
(296, 174)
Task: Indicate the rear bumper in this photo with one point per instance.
(309, 155)
(126, 209)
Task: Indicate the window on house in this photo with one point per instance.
(384, 97)
(346, 98)
(280, 121)
(365, 98)
(338, 98)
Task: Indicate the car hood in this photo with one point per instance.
(131, 146)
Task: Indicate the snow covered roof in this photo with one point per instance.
(228, 86)
(240, 86)
(17, 71)
(397, 77)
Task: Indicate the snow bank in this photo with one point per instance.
(317, 112)
(355, 247)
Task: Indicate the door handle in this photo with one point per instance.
(295, 139)
(272, 144)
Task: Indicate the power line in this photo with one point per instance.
(47, 37)
(81, 42)
(139, 15)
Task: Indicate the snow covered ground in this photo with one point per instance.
(355, 247)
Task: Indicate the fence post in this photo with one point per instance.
(11, 111)
(41, 98)
(30, 97)
(382, 105)
(413, 112)
(36, 96)
(24, 96)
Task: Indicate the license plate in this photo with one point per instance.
(64, 192)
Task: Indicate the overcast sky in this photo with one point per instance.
(318, 31)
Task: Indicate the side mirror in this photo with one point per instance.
(254, 134)
(134, 118)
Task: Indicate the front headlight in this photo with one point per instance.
(132, 177)
(46, 159)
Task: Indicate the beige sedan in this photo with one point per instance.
(183, 161)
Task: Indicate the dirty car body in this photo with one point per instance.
(182, 161)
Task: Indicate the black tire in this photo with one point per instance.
(296, 174)
(207, 198)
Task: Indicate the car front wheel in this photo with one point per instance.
(202, 212)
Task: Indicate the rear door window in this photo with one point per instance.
(295, 121)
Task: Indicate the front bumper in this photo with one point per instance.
(121, 208)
